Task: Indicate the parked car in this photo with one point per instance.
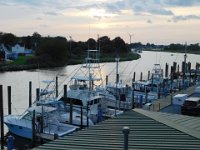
(191, 106)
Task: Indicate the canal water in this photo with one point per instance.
(19, 80)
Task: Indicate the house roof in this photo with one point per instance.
(145, 133)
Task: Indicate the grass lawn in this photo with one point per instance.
(22, 60)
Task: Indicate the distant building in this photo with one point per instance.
(14, 53)
(5, 53)
(21, 50)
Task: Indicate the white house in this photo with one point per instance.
(7, 54)
(17, 49)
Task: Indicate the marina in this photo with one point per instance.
(85, 104)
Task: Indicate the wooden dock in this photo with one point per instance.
(166, 101)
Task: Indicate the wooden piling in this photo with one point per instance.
(33, 130)
(2, 115)
(37, 94)
(56, 86)
(71, 112)
(178, 70)
(30, 93)
(65, 94)
(146, 95)
(87, 115)
(148, 75)
(134, 77)
(133, 99)
(174, 66)
(9, 100)
(117, 80)
(141, 76)
(81, 117)
(106, 79)
(166, 70)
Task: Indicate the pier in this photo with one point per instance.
(167, 101)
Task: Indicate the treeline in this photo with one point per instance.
(191, 48)
(59, 50)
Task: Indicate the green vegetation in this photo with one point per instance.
(22, 60)
(58, 51)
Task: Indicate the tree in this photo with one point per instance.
(106, 44)
(9, 39)
(35, 40)
(53, 50)
(91, 43)
(119, 45)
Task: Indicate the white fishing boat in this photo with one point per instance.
(117, 96)
(82, 90)
(47, 97)
(21, 125)
(148, 90)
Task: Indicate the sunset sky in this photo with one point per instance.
(153, 21)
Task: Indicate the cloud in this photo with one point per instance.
(138, 7)
(184, 18)
(149, 21)
(51, 13)
(38, 18)
(180, 3)
(43, 26)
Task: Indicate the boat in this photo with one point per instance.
(21, 125)
(82, 89)
(47, 97)
(117, 96)
(150, 90)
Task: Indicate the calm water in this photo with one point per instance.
(19, 80)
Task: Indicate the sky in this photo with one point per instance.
(146, 21)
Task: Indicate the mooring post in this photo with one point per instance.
(56, 86)
(146, 95)
(71, 112)
(106, 79)
(81, 117)
(126, 132)
(30, 93)
(174, 66)
(133, 99)
(141, 76)
(65, 94)
(148, 75)
(87, 116)
(117, 81)
(9, 100)
(134, 77)
(2, 115)
(37, 94)
(33, 129)
(178, 69)
(166, 70)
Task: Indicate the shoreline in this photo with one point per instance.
(4, 68)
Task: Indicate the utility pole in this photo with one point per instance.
(130, 36)
(70, 45)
